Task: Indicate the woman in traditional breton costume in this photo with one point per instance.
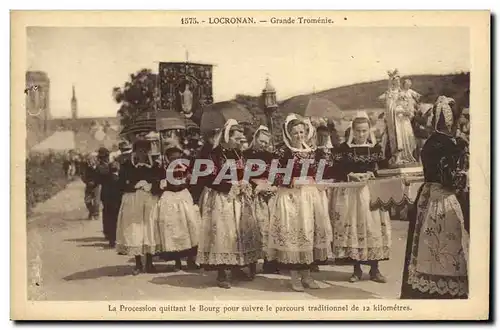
(229, 237)
(324, 155)
(136, 232)
(263, 194)
(203, 182)
(175, 214)
(324, 152)
(359, 234)
(436, 265)
(299, 230)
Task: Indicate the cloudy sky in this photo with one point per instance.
(297, 60)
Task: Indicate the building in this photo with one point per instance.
(37, 103)
(89, 133)
(74, 104)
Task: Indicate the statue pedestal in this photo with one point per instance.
(413, 169)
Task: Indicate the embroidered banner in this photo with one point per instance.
(185, 88)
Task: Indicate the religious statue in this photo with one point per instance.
(410, 97)
(186, 98)
(400, 107)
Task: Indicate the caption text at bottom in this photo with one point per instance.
(245, 308)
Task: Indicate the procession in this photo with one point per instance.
(285, 196)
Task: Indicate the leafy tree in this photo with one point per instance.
(137, 95)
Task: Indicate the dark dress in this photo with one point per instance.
(261, 200)
(357, 160)
(176, 216)
(437, 218)
(136, 231)
(325, 155)
(421, 130)
(299, 230)
(360, 233)
(196, 190)
(230, 235)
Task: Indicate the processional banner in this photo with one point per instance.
(185, 88)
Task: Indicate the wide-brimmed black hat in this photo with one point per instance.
(103, 152)
(142, 144)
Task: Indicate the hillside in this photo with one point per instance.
(365, 95)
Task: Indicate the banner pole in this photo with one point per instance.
(157, 98)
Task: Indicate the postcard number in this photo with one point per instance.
(189, 20)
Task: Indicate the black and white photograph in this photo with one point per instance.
(299, 164)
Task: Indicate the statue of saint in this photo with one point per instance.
(400, 106)
(411, 98)
(186, 97)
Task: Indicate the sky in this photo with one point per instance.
(296, 60)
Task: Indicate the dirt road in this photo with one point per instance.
(68, 259)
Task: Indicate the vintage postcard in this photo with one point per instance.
(250, 165)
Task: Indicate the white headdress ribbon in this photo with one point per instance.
(256, 133)
(224, 132)
(443, 107)
(286, 134)
(371, 140)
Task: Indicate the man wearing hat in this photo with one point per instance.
(125, 152)
(103, 160)
(90, 177)
(111, 197)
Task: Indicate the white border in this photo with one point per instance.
(214, 4)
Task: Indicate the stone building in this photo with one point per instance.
(37, 96)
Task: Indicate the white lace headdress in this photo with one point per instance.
(287, 137)
(371, 142)
(223, 135)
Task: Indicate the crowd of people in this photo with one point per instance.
(292, 225)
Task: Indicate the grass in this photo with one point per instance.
(44, 178)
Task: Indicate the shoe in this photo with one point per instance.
(178, 266)
(308, 281)
(224, 284)
(112, 245)
(296, 282)
(377, 277)
(223, 280)
(270, 267)
(315, 268)
(239, 274)
(356, 277)
(136, 271)
(253, 270)
(150, 269)
(191, 265)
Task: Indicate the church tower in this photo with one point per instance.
(74, 105)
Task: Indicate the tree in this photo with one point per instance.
(253, 106)
(137, 95)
